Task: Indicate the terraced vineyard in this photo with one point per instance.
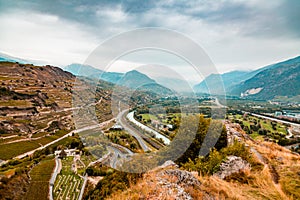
(68, 184)
(67, 187)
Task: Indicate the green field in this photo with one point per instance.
(148, 117)
(278, 131)
(8, 151)
(39, 183)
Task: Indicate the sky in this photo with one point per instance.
(235, 34)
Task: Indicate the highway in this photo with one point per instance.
(121, 119)
(130, 116)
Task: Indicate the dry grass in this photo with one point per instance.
(146, 188)
(260, 187)
(251, 184)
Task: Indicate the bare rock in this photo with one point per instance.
(169, 163)
(233, 164)
(183, 177)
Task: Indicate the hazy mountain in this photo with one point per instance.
(132, 79)
(83, 70)
(280, 79)
(263, 83)
(7, 58)
(91, 72)
(229, 79)
(175, 84)
(137, 80)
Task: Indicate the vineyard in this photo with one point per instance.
(39, 183)
(68, 183)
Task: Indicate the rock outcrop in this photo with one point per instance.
(233, 164)
(183, 177)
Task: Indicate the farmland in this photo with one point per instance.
(10, 150)
(39, 183)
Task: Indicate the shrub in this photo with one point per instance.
(211, 163)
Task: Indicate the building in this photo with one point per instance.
(116, 127)
(65, 152)
(278, 113)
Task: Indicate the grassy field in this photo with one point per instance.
(280, 129)
(11, 139)
(39, 183)
(148, 116)
(39, 134)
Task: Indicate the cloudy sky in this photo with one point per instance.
(235, 34)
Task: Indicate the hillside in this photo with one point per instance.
(245, 169)
(229, 79)
(36, 106)
(27, 91)
(281, 79)
(273, 81)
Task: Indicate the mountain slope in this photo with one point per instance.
(91, 72)
(7, 58)
(136, 80)
(229, 79)
(280, 79)
(176, 84)
(132, 79)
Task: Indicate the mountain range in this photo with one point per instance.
(273, 81)
(132, 79)
(266, 83)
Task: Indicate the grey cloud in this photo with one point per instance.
(223, 26)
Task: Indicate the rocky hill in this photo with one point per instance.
(29, 92)
(36, 105)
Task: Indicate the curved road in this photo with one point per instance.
(56, 171)
(130, 116)
(121, 118)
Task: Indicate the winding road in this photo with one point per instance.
(56, 171)
(121, 119)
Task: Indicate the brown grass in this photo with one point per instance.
(251, 184)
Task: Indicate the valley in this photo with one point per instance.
(42, 118)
